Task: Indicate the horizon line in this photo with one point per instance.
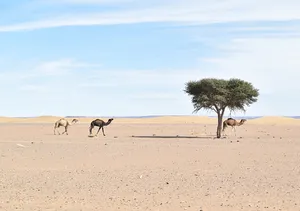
(150, 116)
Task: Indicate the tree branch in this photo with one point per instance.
(223, 110)
(217, 109)
(214, 109)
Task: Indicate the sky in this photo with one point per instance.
(133, 57)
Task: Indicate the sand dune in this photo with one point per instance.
(275, 120)
(40, 119)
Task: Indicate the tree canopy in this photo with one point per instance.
(219, 94)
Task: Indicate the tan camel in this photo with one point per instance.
(233, 123)
(64, 123)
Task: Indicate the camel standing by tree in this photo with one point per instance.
(64, 123)
(220, 94)
(233, 123)
(99, 123)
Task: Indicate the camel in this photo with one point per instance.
(233, 123)
(99, 123)
(64, 123)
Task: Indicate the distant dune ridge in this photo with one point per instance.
(273, 120)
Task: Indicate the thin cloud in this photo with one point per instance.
(98, 85)
(155, 96)
(270, 63)
(61, 67)
(178, 12)
(154, 77)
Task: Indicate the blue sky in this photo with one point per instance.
(130, 57)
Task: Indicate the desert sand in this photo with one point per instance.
(163, 163)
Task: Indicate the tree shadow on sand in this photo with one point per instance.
(175, 137)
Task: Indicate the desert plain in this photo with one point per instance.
(157, 164)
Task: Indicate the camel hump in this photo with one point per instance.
(230, 118)
(96, 121)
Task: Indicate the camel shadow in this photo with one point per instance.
(174, 137)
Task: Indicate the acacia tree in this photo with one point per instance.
(219, 94)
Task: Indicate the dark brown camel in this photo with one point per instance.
(233, 123)
(99, 123)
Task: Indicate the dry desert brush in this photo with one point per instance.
(219, 94)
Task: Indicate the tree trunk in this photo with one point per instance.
(220, 121)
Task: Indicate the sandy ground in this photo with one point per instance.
(259, 169)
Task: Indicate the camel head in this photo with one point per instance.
(242, 121)
(74, 121)
(109, 121)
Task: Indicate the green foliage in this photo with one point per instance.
(218, 94)
(241, 94)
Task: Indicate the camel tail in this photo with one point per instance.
(224, 125)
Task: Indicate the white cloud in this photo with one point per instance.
(87, 84)
(268, 62)
(45, 76)
(155, 96)
(162, 77)
(181, 12)
(126, 92)
(93, 76)
(271, 64)
(61, 67)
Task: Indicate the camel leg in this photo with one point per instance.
(223, 130)
(91, 129)
(56, 129)
(66, 130)
(103, 131)
(98, 130)
(224, 133)
(231, 130)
